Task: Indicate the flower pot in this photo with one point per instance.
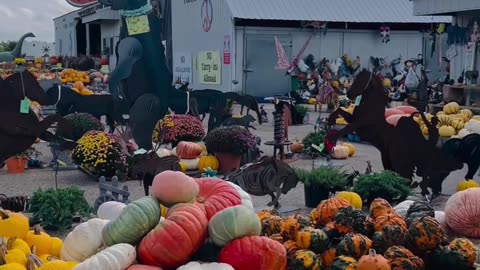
(16, 165)
(314, 194)
(228, 162)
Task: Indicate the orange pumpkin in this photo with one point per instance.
(328, 257)
(291, 247)
(208, 162)
(272, 225)
(465, 247)
(171, 187)
(373, 261)
(354, 245)
(388, 220)
(78, 85)
(188, 150)
(277, 237)
(216, 195)
(327, 209)
(380, 207)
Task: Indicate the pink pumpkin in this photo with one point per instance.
(171, 187)
(462, 212)
(407, 109)
(393, 119)
(188, 150)
(143, 267)
(390, 112)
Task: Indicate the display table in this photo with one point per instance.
(456, 92)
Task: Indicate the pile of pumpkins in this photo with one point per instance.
(453, 121)
(80, 88)
(193, 156)
(202, 214)
(23, 248)
(338, 235)
(343, 151)
(72, 76)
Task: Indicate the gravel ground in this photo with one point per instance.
(25, 184)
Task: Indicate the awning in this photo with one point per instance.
(354, 11)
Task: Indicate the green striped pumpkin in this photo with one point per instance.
(354, 245)
(232, 223)
(344, 263)
(135, 221)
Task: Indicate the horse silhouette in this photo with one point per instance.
(403, 147)
(18, 131)
(68, 101)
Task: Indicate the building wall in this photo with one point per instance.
(458, 63)
(334, 44)
(110, 36)
(36, 48)
(425, 7)
(188, 36)
(65, 34)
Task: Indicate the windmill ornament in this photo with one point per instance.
(385, 33)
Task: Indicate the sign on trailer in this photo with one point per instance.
(209, 67)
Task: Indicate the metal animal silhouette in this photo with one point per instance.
(19, 130)
(267, 176)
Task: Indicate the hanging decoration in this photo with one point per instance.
(385, 33)
(282, 62)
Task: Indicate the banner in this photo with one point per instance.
(182, 67)
(209, 67)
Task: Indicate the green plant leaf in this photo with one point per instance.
(328, 177)
(387, 185)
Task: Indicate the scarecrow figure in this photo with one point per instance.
(385, 33)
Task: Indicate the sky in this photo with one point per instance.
(18, 17)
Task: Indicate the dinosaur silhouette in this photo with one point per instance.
(17, 51)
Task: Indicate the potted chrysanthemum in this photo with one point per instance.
(101, 154)
(229, 144)
(179, 127)
(80, 123)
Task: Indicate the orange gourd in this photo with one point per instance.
(373, 261)
(188, 150)
(327, 209)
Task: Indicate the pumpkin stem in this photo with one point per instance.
(34, 250)
(37, 229)
(4, 214)
(33, 262)
(372, 252)
(3, 253)
(10, 242)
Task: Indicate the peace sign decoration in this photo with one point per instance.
(207, 15)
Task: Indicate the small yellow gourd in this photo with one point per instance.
(13, 224)
(12, 256)
(52, 264)
(353, 198)
(451, 108)
(208, 162)
(458, 124)
(183, 166)
(351, 148)
(40, 240)
(446, 131)
(12, 266)
(468, 113)
(467, 184)
(16, 243)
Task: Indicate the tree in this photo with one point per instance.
(7, 46)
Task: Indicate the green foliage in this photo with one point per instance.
(55, 209)
(298, 114)
(7, 46)
(313, 138)
(81, 123)
(328, 177)
(387, 185)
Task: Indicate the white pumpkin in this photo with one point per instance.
(84, 241)
(402, 208)
(191, 164)
(162, 152)
(110, 210)
(174, 151)
(116, 257)
(206, 266)
(473, 126)
(246, 199)
(463, 132)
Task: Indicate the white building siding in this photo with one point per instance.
(188, 36)
(65, 34)
(36, 48)
(426, 7)
(110, 36)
